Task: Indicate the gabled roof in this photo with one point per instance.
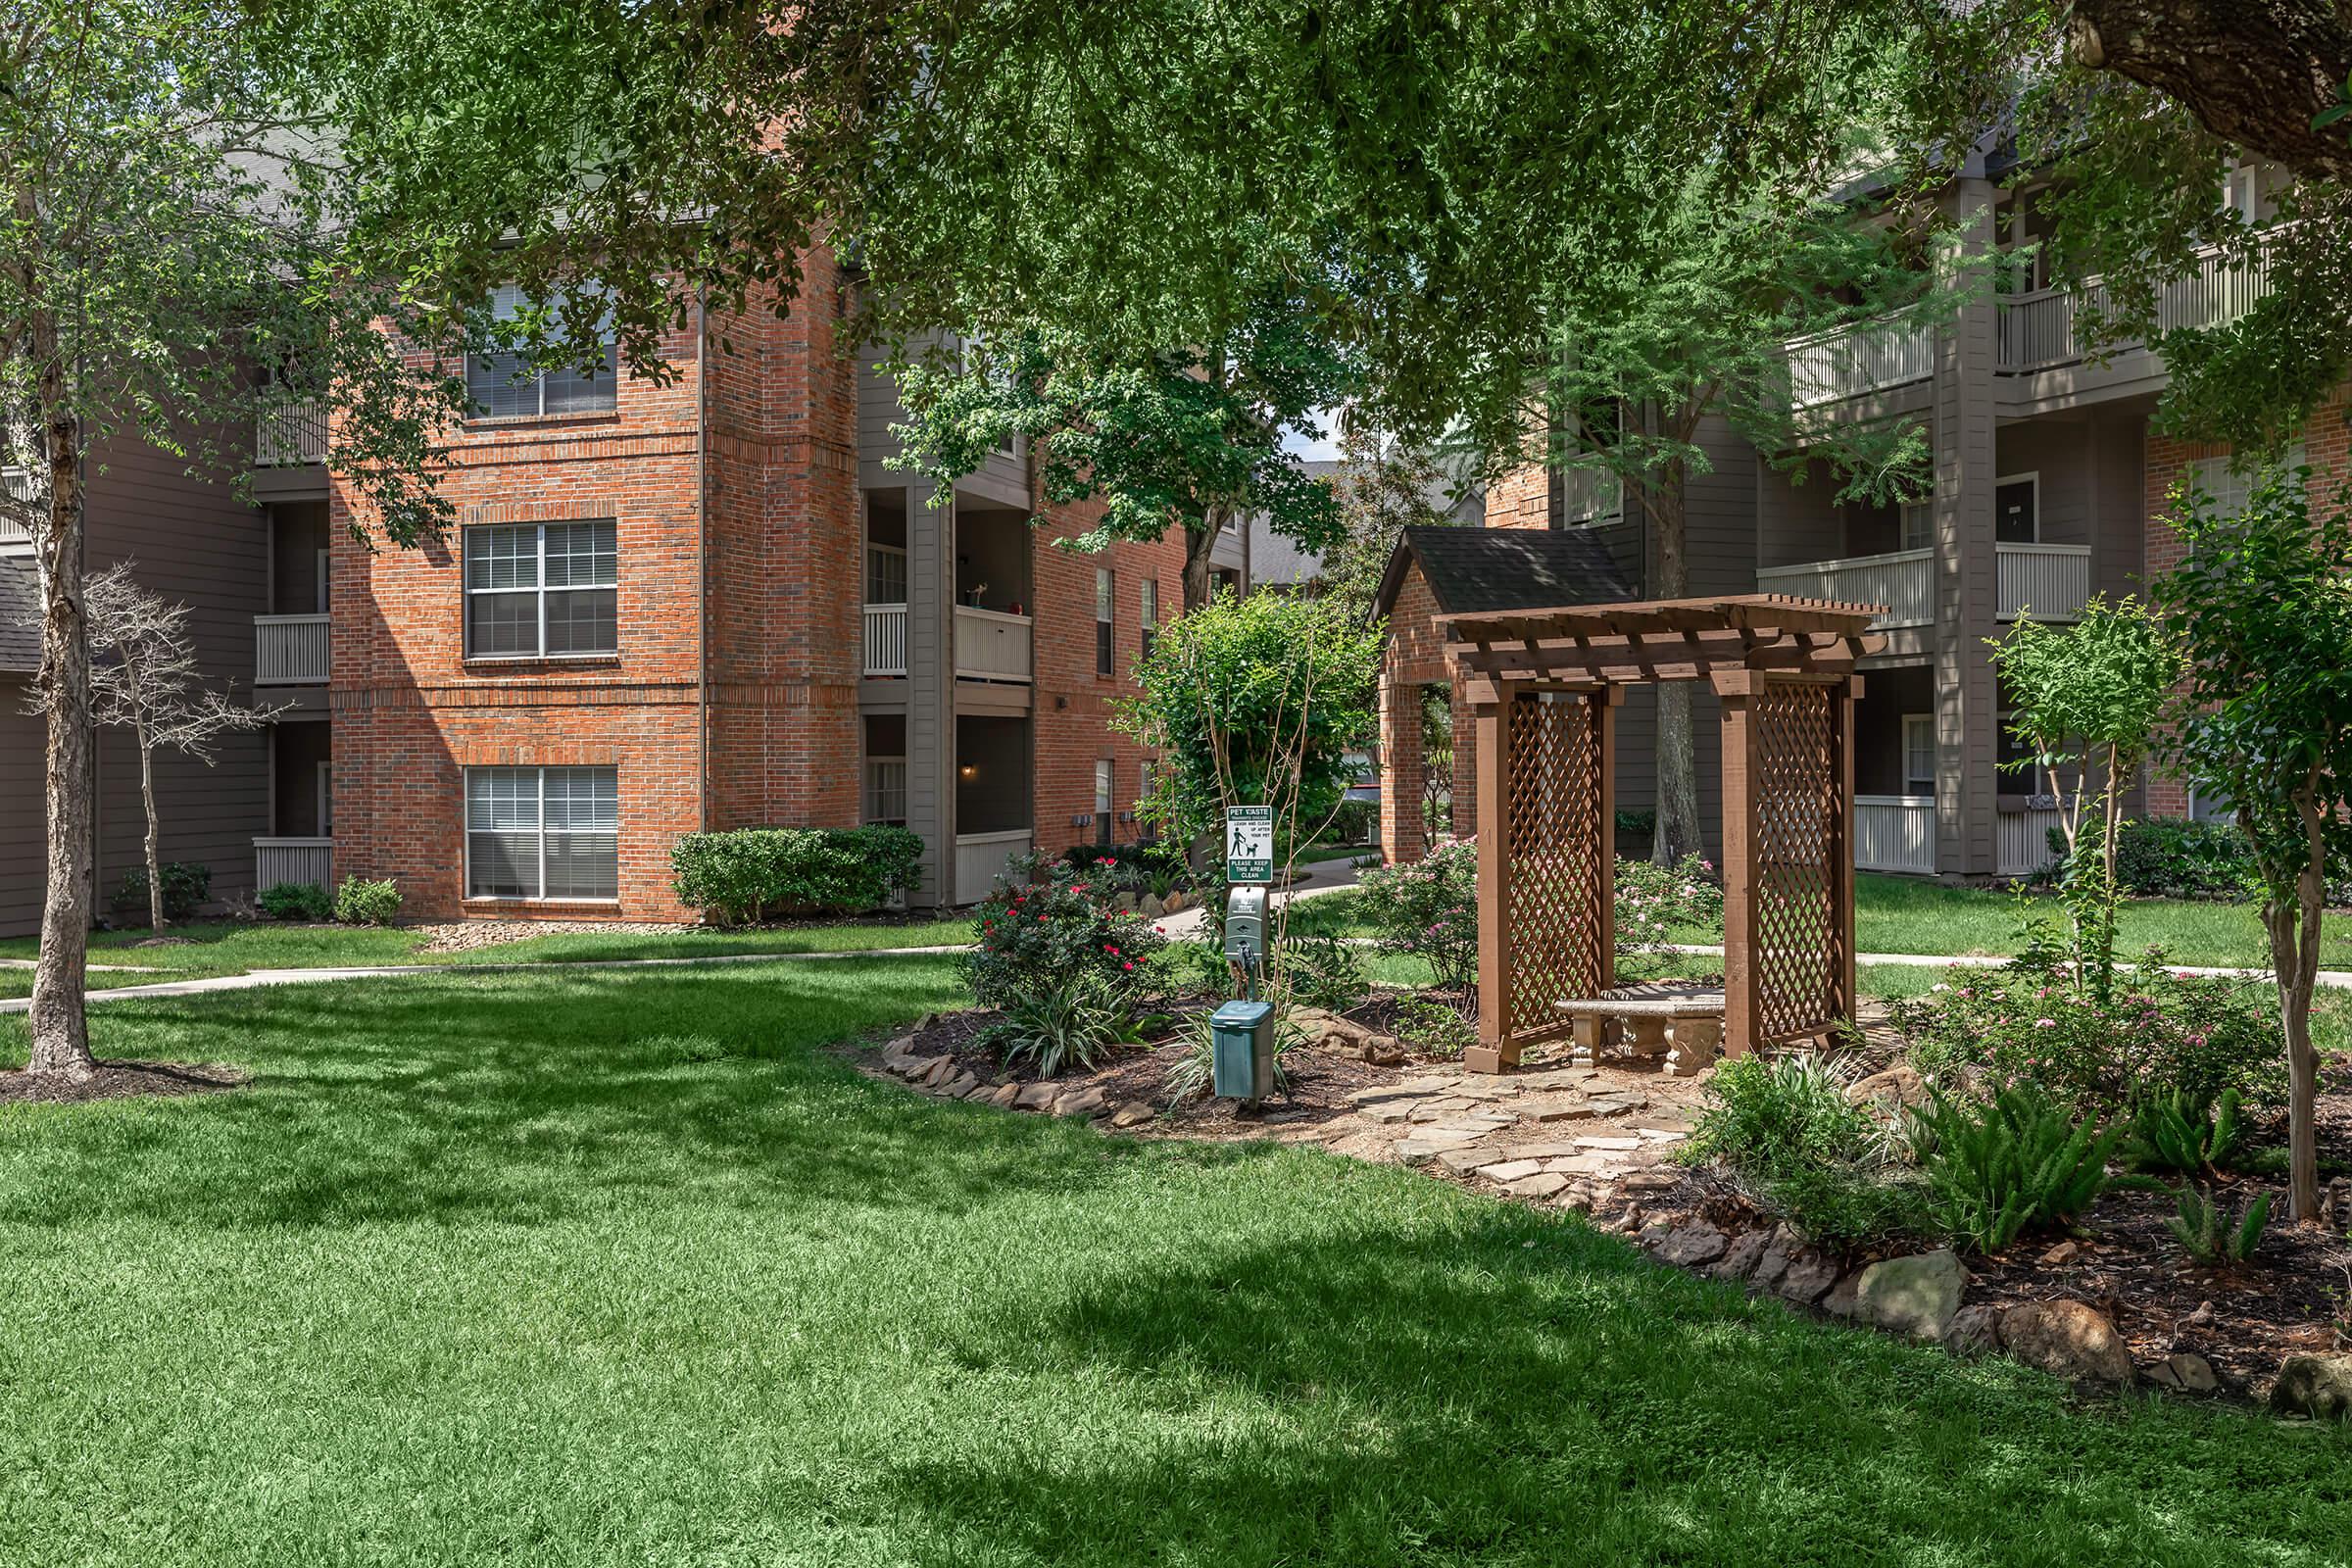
(1474, 570)
(20, 617)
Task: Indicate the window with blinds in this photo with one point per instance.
(542, 590)
(542, 833)
(506, 386)
(1105, 598)
(2231, 488)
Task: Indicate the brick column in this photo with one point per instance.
(1401, 836)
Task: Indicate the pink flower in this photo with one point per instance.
(1128, 966)
(2045, 1023)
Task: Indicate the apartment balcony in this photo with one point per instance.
(992, 645)
(886, 640)
(291, 651)
(1873, 357)
(2034, 582)
(290, 437)
(285, 859)
(1898, 833)
(981, 858)
(2037, 329)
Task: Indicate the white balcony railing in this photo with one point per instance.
(1865, 358)
(991, 645)
(886, 639)
(288, 436)
(2037, 329)
(980, 860)
(1895, 833)
(2022, 840)
(277, 861)
(290, 650)
(2042, 582)
(1903, 581)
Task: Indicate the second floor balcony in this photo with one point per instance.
(290, 437)
(2033, 583)
(2038, 329)
(290, 650)
(991, 645)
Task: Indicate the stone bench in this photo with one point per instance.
(1681, 1023)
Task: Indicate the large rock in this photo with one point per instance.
(1974, 1331)
(2317, 1386)
(1915, 1295)
(2187, 1371)
(1693, 1245)
(1845, 1297)
(1087, 1102)
(1740, 1257)
(2066, 1338)
(1780, 1249)
(1898, 1086)
(1806, 1279)
(1038, 1095)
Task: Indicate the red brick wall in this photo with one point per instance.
(1521, 499)
(411, 711)
(1072, 717)
(1413, 657)
(2328, 446)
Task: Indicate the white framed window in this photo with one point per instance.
(2230, 488)
(1918, 525)
(1149, 616)
(885, 574)
(1106, 598)
(1105, 786)
(2242, 192)
(544, 590)
(2205, 806)
(543, 833)
(886, 790)
(1919, 753)
(501, 387)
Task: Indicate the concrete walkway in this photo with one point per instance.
(1322, 876)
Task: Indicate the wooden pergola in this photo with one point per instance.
(1542, 687)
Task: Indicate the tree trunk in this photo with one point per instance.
(1198, 545)
(2294, 933)
(1680, 831)
(155, 835)
(60, 1029)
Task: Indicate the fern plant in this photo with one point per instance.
(2202, 1228)
(2017, 1163)
(2183, 1134)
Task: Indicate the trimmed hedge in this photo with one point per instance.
(744, 875)
(186, 885)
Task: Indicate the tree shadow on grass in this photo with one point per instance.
(1463, 1397)
(529, 1099)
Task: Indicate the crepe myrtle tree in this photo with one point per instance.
(2260, 607)
(1190, 438)
(144, 678)
(1254, 701)
(2088, 698)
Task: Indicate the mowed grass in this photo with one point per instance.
(623, 1267)
(1906, 915)
(217, 947)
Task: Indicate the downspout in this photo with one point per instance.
(701, 554)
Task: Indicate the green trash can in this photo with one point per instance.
(1244, 1059)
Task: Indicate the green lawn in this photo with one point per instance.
(223, 948)
(1903, 915)
(583, 1268)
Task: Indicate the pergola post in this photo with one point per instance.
(1733, 687)
(1496, 1048)
(1841, 850)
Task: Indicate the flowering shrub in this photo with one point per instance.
(1049, 923)
(2026, 1023)
(1661, 904)
(1428, 908)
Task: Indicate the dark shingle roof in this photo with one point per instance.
(20, 617)
(1472, 569)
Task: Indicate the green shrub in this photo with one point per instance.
(360, 900)
(1428, 910)
(2027, 1023)
(2203, 1229)
(1074, 1024)
(1046, 925)
(1434, 1027)
(2183, 1134)
(744, 875)
(1661, 904)
(2017, 1163)
(2176, 858)
(1187, 968)
(1787, 1131)
(1354, 822)
(187, 884)
(1324, 971)
(296, 901)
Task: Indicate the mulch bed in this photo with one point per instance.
(120, 1080)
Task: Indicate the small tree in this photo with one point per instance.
(143, 678)
(2262, 608)
(1254, 701)
(2088, 698)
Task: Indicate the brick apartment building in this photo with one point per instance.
(2048, 486)
(709, 603)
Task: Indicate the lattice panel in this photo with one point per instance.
(1558, 878)
(1793, 875)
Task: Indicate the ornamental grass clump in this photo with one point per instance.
(1787, 1130)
